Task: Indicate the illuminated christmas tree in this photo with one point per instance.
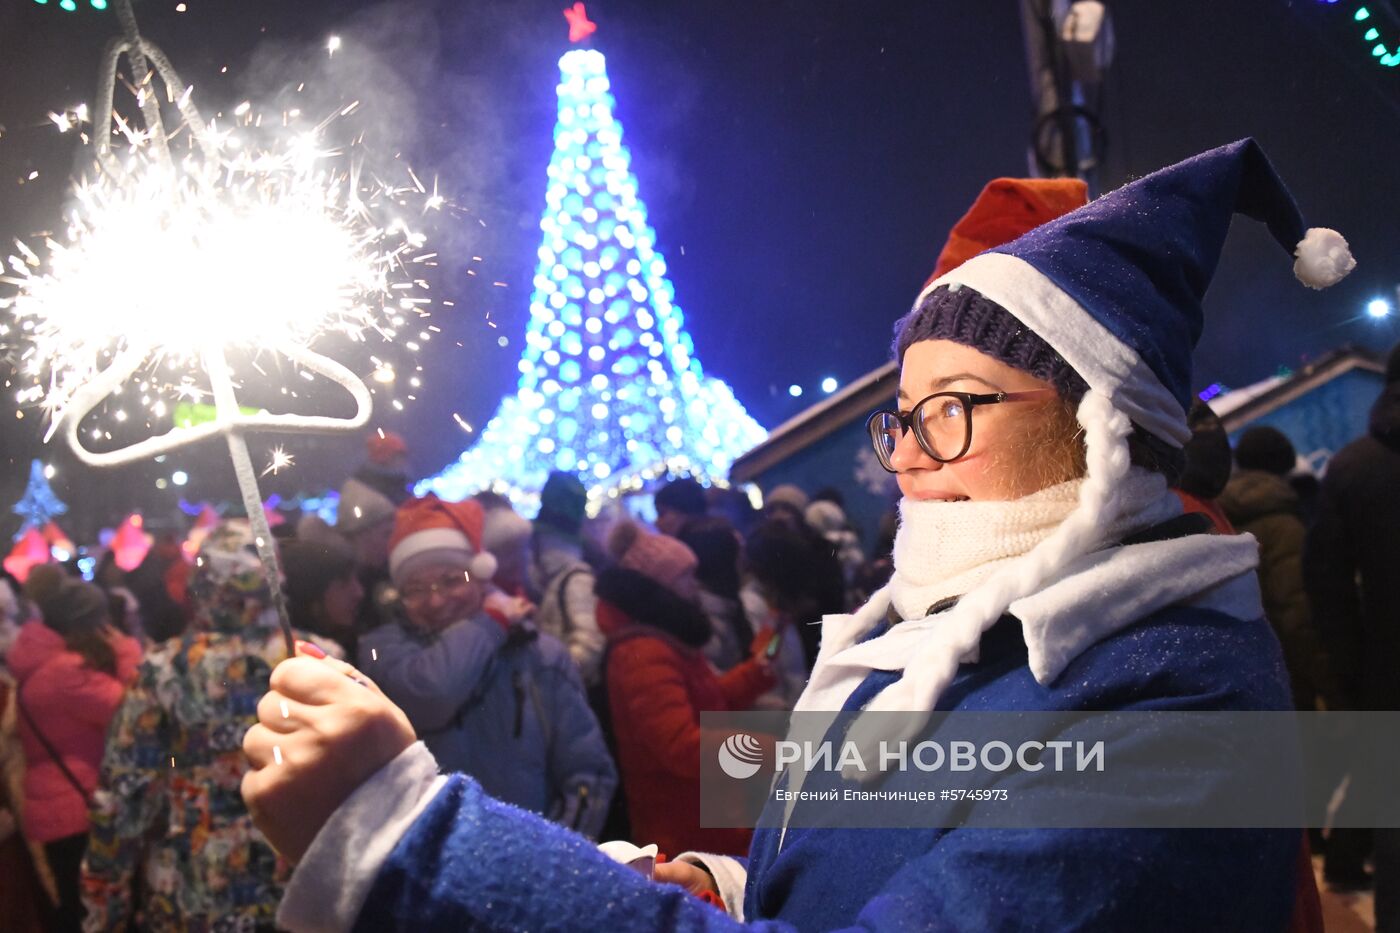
(38, 506)
(609, 384)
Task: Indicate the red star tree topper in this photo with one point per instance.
(580, 26)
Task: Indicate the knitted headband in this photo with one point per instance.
(966, 317)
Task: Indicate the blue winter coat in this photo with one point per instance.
(512, 713)
(469, 862)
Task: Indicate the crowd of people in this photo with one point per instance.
(479, 696)
(560, 661)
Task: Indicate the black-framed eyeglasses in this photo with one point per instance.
(942, 423)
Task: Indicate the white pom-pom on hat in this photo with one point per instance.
(1324, 258)
(482, 567)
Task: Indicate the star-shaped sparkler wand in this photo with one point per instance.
(236, 248)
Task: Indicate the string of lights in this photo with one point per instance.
(1379, 50)
(71, 6)
(1367, 23)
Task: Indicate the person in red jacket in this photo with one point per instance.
(658, 682)
(72, 668)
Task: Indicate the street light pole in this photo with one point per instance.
(1069, 46)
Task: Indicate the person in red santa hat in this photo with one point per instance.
(385, 469)
(484, 690)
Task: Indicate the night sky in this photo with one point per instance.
(801, 163)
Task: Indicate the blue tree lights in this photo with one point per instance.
(38, 506)
(609, 384)
(69, 6)
(1369, 29)
(1379, 51)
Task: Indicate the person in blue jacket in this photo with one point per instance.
(489, 695)
(1041, 564)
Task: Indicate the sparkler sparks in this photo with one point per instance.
(258, 249)
(72, 118)
(267, 239)
(261, 241)
(281, 460)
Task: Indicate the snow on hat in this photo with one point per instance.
(229, 590)
(660, 557)
(229, 551)
(1115, 288)
(430, 528)
(361, 508)
(1007, 208)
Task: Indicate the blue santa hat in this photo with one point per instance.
(1115, 288)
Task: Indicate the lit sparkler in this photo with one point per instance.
(280, 461)
(170, 263)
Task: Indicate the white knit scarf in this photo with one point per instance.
(1113, 496)
(945, 549)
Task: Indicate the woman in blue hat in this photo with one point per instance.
(1041, 564)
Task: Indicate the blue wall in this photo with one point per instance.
(1326, 419)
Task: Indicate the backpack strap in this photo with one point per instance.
(48, 747)
(560, 589)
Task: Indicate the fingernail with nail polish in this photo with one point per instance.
(307, 648)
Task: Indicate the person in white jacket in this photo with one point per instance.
(567, 608)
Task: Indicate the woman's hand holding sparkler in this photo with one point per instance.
(323, 728)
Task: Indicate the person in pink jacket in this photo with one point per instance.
(72, 668)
